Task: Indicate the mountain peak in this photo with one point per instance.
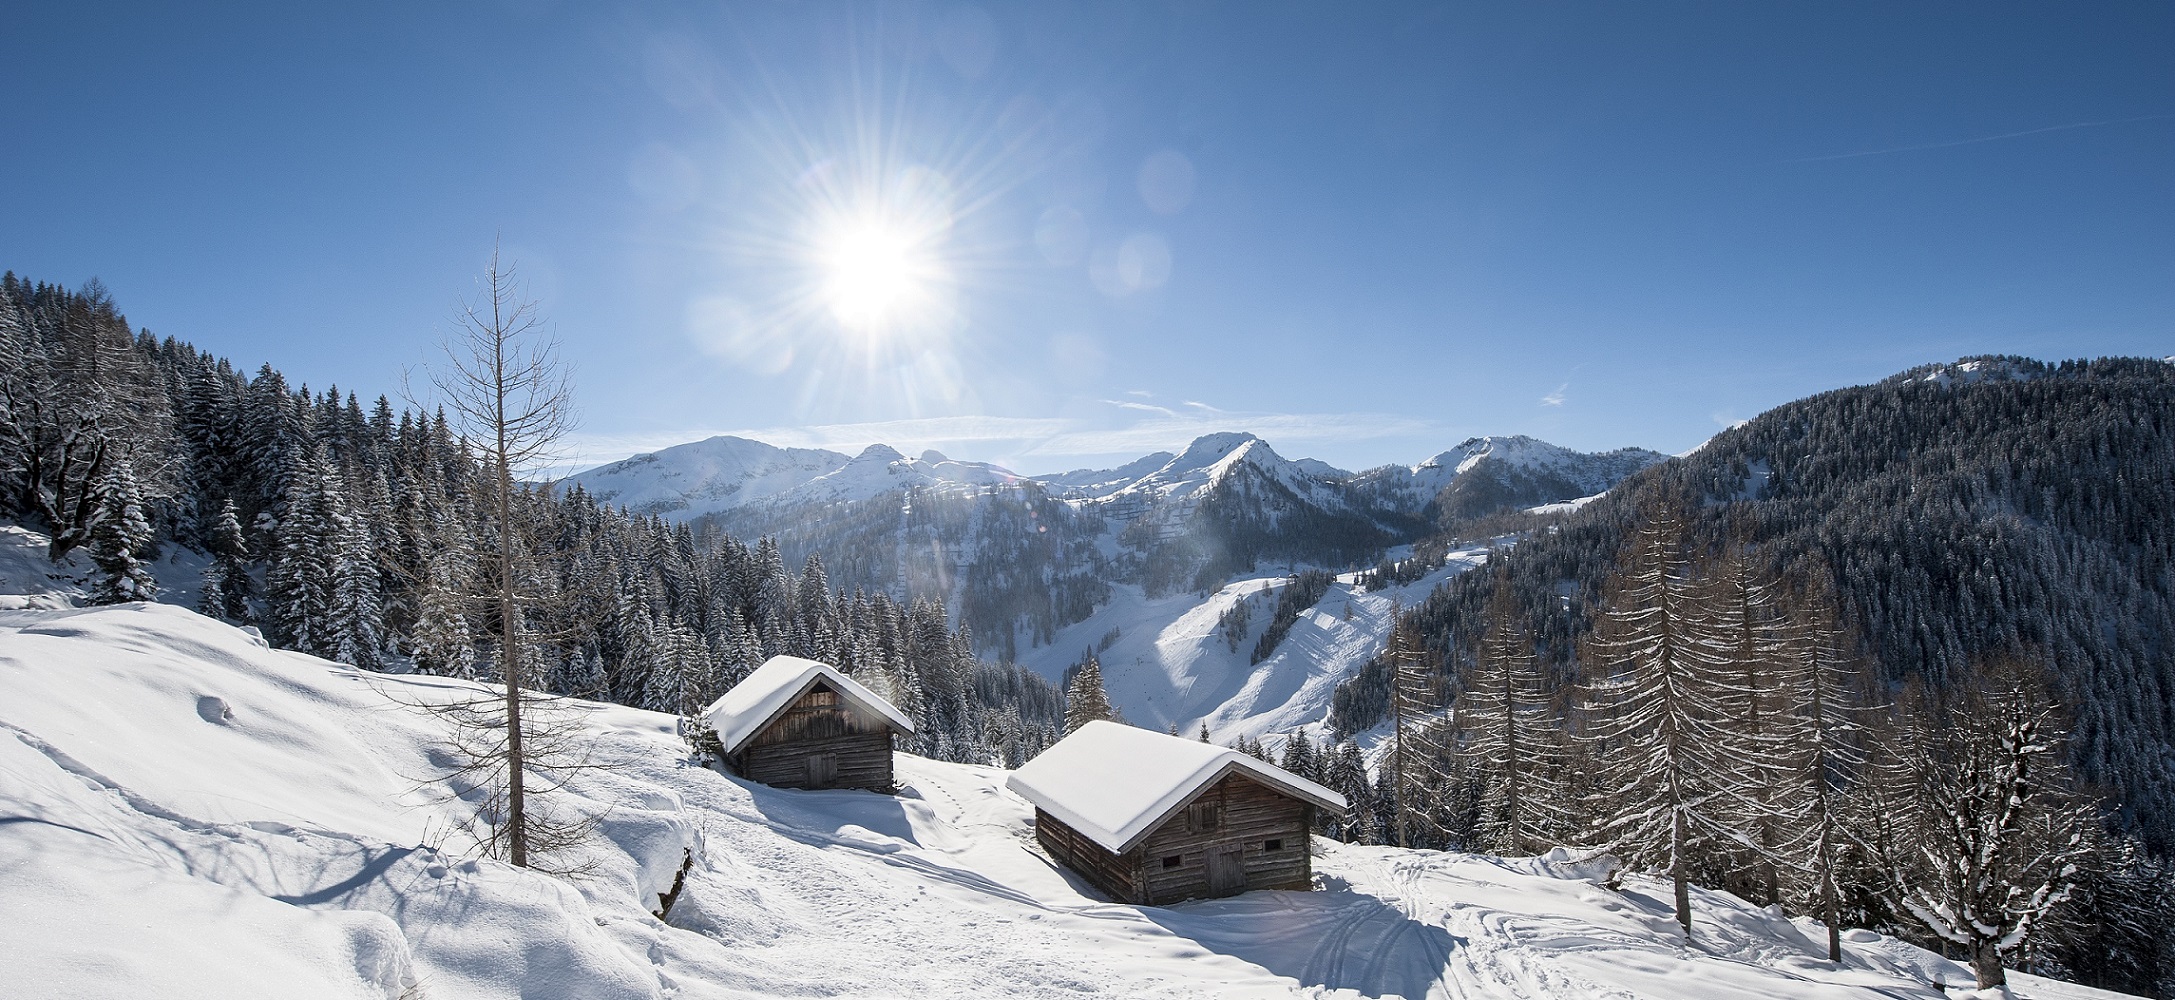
(882, 454)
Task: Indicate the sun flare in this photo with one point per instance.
(875, 275)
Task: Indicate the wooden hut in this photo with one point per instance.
(1153, 819)
(797, 723)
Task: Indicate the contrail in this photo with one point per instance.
(1983, 138)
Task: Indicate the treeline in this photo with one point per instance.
(1990, 544)
(1020, 564)
(2015, 507)
(1724, 729)
(352, 532)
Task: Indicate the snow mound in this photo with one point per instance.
(185, 813)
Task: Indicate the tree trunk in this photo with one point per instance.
(1676, 873)
(1830, 911)
(1986, 964)
(517, 843)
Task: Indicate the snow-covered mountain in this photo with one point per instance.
(1042, 567)
(1484, 475)
(192, 815)
(722, 474)
(686, 481)
(880, 469)
(704, 478)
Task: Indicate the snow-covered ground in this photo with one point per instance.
(186, 813)
(1171, 665)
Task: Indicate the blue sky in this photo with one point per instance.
(1100, 229)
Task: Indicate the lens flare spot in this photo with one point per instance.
(874, 273)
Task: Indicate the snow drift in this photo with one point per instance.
(186, 813)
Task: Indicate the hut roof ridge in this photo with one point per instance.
(742, 712)
(1115, 784)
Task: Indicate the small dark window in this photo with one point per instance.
(1203, 817)
(1273, 845)
(1171, 862)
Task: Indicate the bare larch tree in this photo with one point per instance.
(511, 398)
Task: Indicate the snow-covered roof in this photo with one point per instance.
(1115, 784)
(775, 686)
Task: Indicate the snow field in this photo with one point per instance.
(184, 813)
(1171, 666)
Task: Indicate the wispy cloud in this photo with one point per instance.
(1204, 407)
(1555, 398)
(1142, 393)
(1978, 139)
(1126, 404)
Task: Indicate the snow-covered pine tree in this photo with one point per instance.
(772, 606)
(118, 538)
(1509, 739)
(641, 646)
(355, 629)
(1085, 699)
(1299, 756)
(671, 680)
(444, 641)
(298, 583)
(1347, 775)
(818, 631)
(1655, 694)
(1998, 828)
(226, 588)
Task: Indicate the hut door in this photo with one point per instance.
(1226, 869)
(822, 770)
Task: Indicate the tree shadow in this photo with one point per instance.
(1335, 939)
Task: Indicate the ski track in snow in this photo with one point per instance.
(185, 813)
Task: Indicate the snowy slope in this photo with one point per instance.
(1171, 666)
(1213, 458)
(880, 469)
(1411, 488)
(703, 477)
(188, 814)
(1096, 484)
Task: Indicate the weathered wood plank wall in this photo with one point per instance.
(1268, 828)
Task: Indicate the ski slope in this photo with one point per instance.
(185, 813)
(1170, 665)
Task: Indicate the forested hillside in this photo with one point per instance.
(350, 531)
(1865, 620)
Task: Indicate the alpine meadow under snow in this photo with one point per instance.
(191, 814)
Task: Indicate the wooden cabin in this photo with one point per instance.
(797, 723)
(1153, 819)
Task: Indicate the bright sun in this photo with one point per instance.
(876, 276)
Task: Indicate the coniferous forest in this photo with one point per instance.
(1903, 653)
(350, 531)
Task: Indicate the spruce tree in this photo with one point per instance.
(1085, 699)
(227, 587)
(118, 538)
